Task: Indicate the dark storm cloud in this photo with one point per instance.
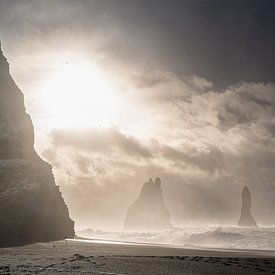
(222, 41)
(102, 140)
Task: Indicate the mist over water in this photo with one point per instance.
(261, 238)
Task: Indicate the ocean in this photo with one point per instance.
(260, 238)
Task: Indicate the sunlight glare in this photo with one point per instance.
(79, 95)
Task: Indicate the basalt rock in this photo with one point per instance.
(246, 218)
(31, 206)
(148, 212)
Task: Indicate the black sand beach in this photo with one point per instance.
(97, 257)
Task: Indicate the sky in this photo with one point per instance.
(121, 91)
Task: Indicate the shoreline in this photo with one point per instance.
(95, 257)
(180, 249)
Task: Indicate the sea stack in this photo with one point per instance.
(148, 212)
(31, 206)
(246, 218)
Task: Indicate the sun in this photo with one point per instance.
(78, 94)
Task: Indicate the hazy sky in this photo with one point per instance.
(120, 91)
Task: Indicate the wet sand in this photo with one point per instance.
(97, 257)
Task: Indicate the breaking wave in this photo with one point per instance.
(207, 237)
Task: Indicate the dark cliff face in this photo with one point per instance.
(148, 212)
(31, 206)
(16, 129)
(246, 218)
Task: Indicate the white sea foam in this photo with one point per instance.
(207, 237)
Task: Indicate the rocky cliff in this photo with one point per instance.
(148, 212)
(246, 218)
(31, 206)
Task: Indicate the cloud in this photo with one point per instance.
(246, 104)
(187, 38)
(100, 140)
(209, 160)
(204, 142)
(204, 149)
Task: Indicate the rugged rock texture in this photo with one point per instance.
(148, 212)
(31, 206)
(246, 218)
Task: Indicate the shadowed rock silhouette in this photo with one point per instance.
(246, 218)
(31, 206)
(148, 212)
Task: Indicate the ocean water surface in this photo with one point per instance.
(260, 238)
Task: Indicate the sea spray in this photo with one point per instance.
(261, 238)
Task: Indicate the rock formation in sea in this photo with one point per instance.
(148, 212)
(246, 218)
(31, 206)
